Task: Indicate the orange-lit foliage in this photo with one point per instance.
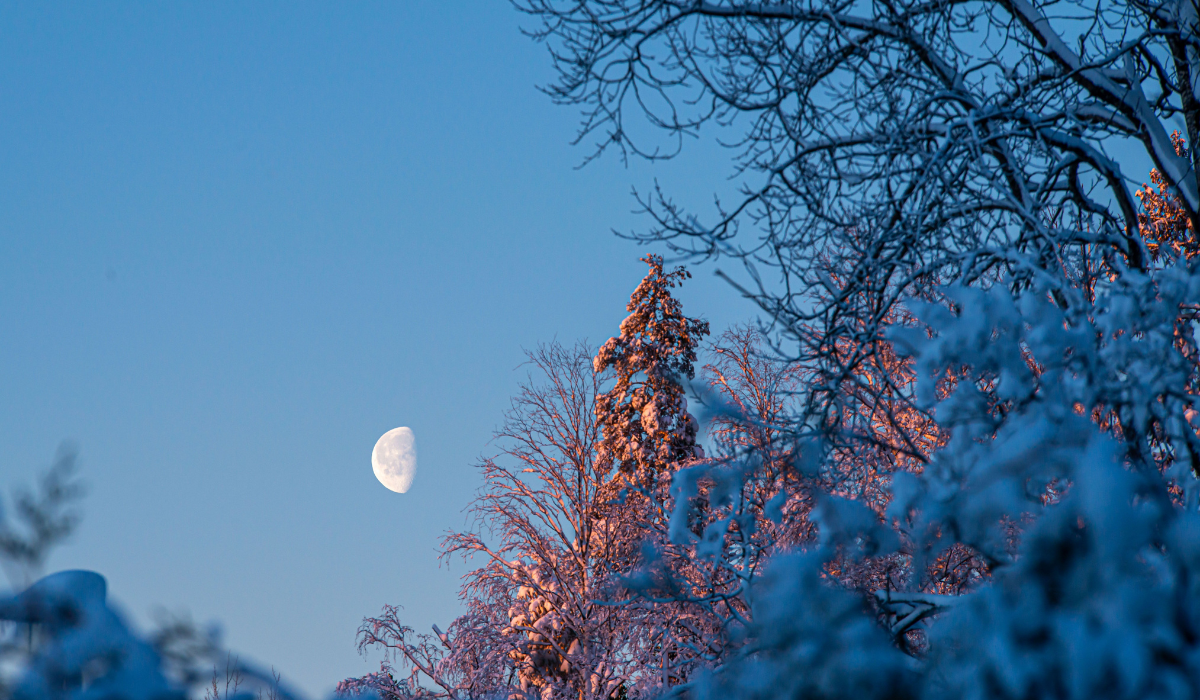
(758, 388)
(1165, 224)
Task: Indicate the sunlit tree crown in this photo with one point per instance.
(644, 416)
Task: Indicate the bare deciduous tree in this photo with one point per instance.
(886, 147)
(537, 622)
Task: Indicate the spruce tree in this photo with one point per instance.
(647, 429)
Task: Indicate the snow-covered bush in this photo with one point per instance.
(1054, 474)
(62, 639)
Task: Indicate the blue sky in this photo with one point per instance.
(240, 242)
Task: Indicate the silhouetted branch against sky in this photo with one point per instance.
(44, 518)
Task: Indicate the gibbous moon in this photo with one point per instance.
(394, 459)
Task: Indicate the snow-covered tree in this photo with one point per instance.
(1164, 222)
(647, 430)
(648, 436)
(997, 338)
(576, 495)
(545, 618)
(533, 625)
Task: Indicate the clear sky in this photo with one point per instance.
(238, 243)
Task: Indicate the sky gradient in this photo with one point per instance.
(240, 243)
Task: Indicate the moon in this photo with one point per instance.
(394, 459)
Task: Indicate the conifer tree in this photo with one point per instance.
(647, 429)
(647, 436)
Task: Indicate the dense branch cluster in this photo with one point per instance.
(889, 147)
(993, 433)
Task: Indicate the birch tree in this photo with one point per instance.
(534, 625)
